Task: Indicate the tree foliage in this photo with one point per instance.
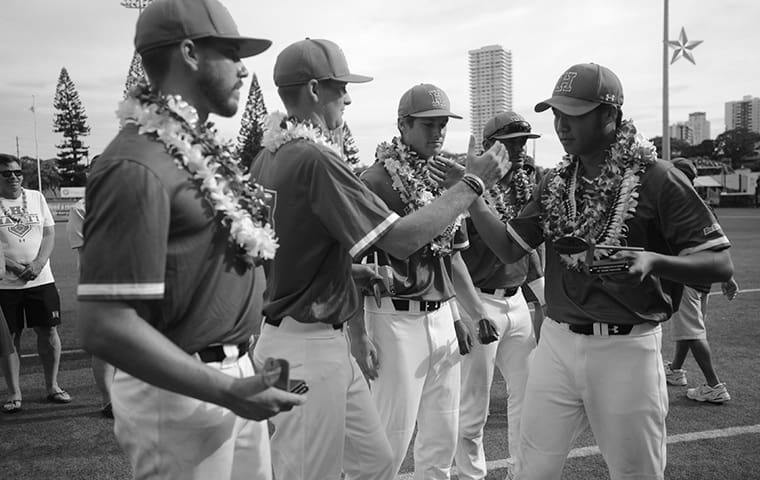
(71, 122)
(344, 139)
(678, 147)
(136, 73)
(736, 144)
(51, 179)
(251, 125)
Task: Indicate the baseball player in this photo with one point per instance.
(499, 288)
(413, 329)
(598, 363)
(324, 216)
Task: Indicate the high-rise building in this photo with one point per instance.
(700, 127)
(744, 113)
(681, 131)
(490, 86)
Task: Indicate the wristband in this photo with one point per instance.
(475, 183)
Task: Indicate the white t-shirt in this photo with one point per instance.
(21, 235)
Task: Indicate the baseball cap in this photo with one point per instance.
(425, 100)
(313, 59)
(507, 125)
(582, 88)
(166, 22)
(686, 166)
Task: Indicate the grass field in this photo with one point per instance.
(708, 441)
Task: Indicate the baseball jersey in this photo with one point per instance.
(487, 271)
(323, 217)
(421, 276)
(151, 236)
(21, 231)
(670, 219)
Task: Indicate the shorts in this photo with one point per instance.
(688, 323)
(31, 307)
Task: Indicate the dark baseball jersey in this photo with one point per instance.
(323, 216)
(150, 236)
(487, 271)
(670, 219)
(422, 276)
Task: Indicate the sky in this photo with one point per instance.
(400, 44)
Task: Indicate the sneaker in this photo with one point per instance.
(675, 377)
(706, 393)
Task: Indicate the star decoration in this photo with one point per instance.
(683, 47)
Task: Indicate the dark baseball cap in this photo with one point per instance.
(167, 22)
(582, 88)
(313, 59)
(507, 125)
(425, 100)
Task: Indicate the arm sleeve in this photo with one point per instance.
(352, 214)
(688, 224)
(125, 231)
(461, 239)
(527, 229)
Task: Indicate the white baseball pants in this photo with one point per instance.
(614, 384)
(337, 429)
(418, 381)
(170, 436)
(510, 354)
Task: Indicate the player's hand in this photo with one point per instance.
(256, 399)
(445, 171)
(31, 271)
(491, 166)
(487, 332)
(464, 337)
(730, 288)
(640, 266)
(366, 356)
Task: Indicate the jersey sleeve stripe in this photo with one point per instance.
(372, 236)
(517, 238)
(462, 246)
(718, 243)
(121, 290)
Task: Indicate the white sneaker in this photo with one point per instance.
(675, 377)
(706, 393)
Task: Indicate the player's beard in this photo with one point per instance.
(221, 99)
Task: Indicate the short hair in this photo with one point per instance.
(157, 62)
(6, 159)
(289, 94)
(408, 121)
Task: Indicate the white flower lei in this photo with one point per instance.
(280, 129)
(411, 179)
(197, 149)
(599, 212)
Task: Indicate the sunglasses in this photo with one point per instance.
(8, 173)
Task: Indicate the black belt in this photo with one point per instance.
(215, 353)
(611, 329)
(402, 305)
(508, 292)
(276, 323)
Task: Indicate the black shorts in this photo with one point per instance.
(39, 306)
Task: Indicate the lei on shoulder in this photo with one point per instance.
(510, 198)
(411, 179)
(239, 203)
(599, 212)
(280, 129)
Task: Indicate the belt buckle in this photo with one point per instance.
(427, 306)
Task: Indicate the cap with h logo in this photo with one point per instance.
(167, 22)
(313, 59)
(425, 100)
(507, 125)
(582, 88)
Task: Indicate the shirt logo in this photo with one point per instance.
(565, 84)
(712, 228)
(436, 99)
